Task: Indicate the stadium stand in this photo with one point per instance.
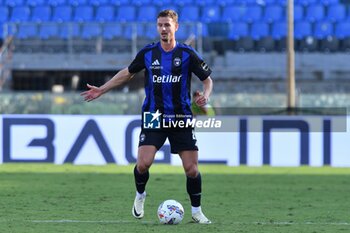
(221, 27)
(217, 16)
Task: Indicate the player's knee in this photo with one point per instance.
(191, 171)
(143, 167)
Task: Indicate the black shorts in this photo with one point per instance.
(180, 140)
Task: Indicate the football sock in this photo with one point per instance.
(140, 180)
(194, 189)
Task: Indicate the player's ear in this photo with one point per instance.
(176, 26)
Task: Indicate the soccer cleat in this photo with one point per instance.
(199, 217)
(137, 209)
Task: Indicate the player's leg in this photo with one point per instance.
(194, 184)
(149, 143)
(183, 142)
(144, 161)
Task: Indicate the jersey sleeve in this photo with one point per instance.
(199, 67)
(138, 63)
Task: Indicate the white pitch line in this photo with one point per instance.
(302, 223)
(152, 222)
(86, 221)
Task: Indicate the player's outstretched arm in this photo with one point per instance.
(94, 92)
(202, 99)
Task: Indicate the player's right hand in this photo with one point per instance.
(91, 94)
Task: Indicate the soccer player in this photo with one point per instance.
(168, 66)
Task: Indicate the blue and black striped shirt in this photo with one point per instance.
(168, 77)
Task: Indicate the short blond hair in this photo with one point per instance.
(169, 13)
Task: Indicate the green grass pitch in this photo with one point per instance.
(66, 198)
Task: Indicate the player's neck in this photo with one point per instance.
(168, 45)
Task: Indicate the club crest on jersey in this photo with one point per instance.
(177, 61)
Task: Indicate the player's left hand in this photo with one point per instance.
(201, 99)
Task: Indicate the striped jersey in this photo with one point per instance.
(168, 77)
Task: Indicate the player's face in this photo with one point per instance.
(166, 28)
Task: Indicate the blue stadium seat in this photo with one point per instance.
(323, 30)
(112, 31)
(13, 3)
(98, 2)
(253, 13)
(33, 3)
(259, 30)
(62, 14)
(69, 30)
(77, 2)
(83, 13)
(246, 2)
(303, 36)
(119, 2)
(56, 2)
(126, 13)
(189, 13)
(306, 2)
(147, 14)
(4, 14)
(324, 33)
(205, 2)
(336, 13)
(47, 31)
(284, 2)
(210, 14)
(302, 29)
(273, 13)
(225, 3)
(41, 14)
(315, 12)
(270, 2)
(105, 13)
(142, 3)
(298, 13)
(279, 34)
(170, 6)
(184, 2)
(26, 31)
(162, 2)
(91, 30)
(238, 38)
(342, 30)
(183, 32)
(234, 13)
(279, 30)
(151, 32)
(238, 30)
(217, 29)
(128, 31)
(20, 14)
(1, 33)
(329, 2)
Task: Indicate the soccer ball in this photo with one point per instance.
(170, 212)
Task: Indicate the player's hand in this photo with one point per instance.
(91, 94)
(200, 99)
